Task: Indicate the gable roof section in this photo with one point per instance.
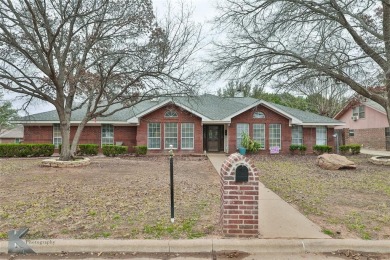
(16, 132)
(210, 108)
(367, 102)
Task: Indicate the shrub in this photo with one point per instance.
(355, 148)
(141, 149)
(114, 150)
(344, 149)
(302, 148)
(87, 149)
(352, 148)
(293, 148)
(298, 147)
(26, 150)
(320, 149)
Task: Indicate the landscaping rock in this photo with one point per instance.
(380, 160)
(65, 164)
(334, 162)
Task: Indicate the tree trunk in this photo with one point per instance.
(66, 154)
(77, 135)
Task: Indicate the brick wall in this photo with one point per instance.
(239, 200)
(90, 135)
(8, 140)
(38, 134)
(331, 139)
(127, 135)
(158, 116)
(271, 117)
(373, 138)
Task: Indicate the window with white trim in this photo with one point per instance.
(170, 135)
(187, 136)
(107, 134)
(57, 138)
(275, 133)
(241, 128)
(171, 113)
(359, 112)
(259, 134)
(154, 136)
(321, 135)
(297, 135)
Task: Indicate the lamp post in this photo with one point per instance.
(337, 142)
(171, 177)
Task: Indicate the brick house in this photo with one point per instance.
(192, 125)
(365, 123)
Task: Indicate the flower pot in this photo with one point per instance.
(242, 150)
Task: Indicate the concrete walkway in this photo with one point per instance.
(277, 218)
(375, 152)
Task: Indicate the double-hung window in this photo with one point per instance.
(275, 135)
(170, 135)
(296, 134)
(154, 136)
(359, 112)
(187, 136)
(321, 135)
(107, 134)
(57, 138)
(259, 134)
(241, 128)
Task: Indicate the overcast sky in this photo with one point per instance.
(203, 12)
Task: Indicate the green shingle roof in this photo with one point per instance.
(214, 107)
(305, 116)
(209, 106)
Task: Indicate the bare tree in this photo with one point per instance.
(283, 43)
(100, 55)
(324, 97)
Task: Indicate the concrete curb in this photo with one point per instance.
(205, 245)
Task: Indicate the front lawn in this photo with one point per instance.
(346, 203)
(125, 198)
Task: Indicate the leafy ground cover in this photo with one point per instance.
(346, 203)
(125, 198)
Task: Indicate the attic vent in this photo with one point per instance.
(258, 115)
(170, 113)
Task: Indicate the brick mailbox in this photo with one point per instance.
(239, 197)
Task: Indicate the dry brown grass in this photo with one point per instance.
(346, 203)
(111, 198)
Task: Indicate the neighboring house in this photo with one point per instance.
(365, 123)
(194, 125)
(14, 135)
